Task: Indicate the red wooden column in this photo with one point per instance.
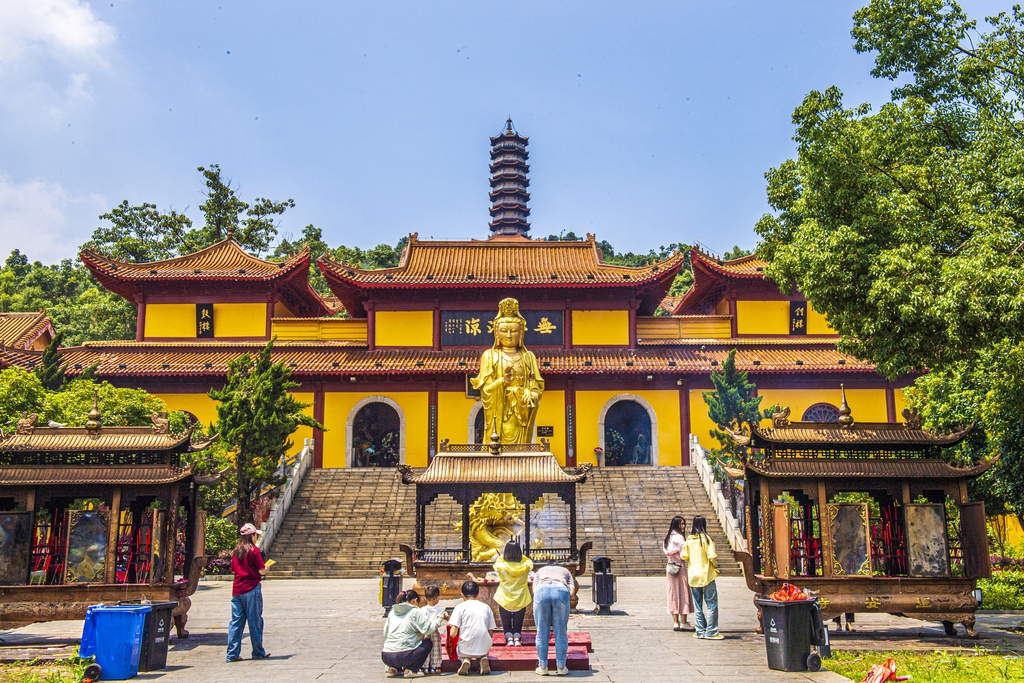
(567, 326)
(684, 420)
(371, 325)
(318, 434)
(890, 403)
(140, 318)
(437, 324)
(570, 424)
(732, 312)
(271, 300)
(633, 303)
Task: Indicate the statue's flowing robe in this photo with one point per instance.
(506, 404)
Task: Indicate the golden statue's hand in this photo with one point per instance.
(529, 399)
(509, 375)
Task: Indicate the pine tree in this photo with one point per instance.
(256, 416)
(50, 370)
(731, 405)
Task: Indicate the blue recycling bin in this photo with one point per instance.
(113, 634)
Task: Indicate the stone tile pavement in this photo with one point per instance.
(330, 630)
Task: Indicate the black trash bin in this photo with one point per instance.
(790, 628)
(156, 634)
(390, 583)
(603, 589)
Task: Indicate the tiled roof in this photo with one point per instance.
(507, 468)
(670, 303)
(19, 330)
(710, 275)
(106, 440)
(326, 358)
(506, 263)
(222, 262)
(28, 475)
(824, 434)
(912, 468)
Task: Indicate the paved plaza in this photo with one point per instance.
(330, 630)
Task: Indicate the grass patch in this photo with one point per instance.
(940, 666)
(68, 670)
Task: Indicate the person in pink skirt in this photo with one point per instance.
(679, 602)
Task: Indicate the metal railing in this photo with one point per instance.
(296, 468)
(726, 497)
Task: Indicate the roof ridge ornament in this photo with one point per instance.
(911, 420)
(27, 423)
(95, 421)
(780, 418)
(845, 414)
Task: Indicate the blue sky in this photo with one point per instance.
(649, 123)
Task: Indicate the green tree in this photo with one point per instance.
(119, 407)
(736, 252)
(94, 315)
(50, 370)
(906, 226)
(255, 417)
(732, 405)
(224, 212)
(20, 391)
(312, 237)
(140, 233)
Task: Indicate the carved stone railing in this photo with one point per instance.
(280, 507)
(722, 504)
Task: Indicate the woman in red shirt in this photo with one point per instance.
(246, 595)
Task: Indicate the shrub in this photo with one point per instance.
(221, 534)
(1005, 590)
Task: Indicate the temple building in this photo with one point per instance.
(387, 375)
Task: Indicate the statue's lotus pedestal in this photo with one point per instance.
(503, 491)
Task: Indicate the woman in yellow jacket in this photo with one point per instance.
(513, 594)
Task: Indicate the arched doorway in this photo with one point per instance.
(821, 412)
(479, 433)
(375, 434)
(628, 432)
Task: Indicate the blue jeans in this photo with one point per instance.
(247, 607)
(551, 611)
(707, 624)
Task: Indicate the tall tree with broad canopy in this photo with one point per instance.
(255, 417)
(905, 226)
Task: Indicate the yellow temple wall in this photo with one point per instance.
(404, 328)
(453, 408)
(552, 413)
(319, 329)
(338, 407)
(868, 405)
(205, 409)
(170, 320)
(665, 403)
(762, 317)
(239, 320)
(683, 327)
(595, 328)
(178, 321)
(817, 323)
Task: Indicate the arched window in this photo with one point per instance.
(376, 436)
(821, 412)
(479, 435)
(628, 437)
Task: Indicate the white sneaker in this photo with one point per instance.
(541, 671)
(564, 671)
(464, 667)
(485, 666)
(413, 674)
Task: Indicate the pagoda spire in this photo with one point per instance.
(509, 183)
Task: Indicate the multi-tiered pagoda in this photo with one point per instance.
(509, 181)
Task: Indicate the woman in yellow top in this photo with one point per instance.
(701, 571)
(513, 594)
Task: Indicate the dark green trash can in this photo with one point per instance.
(156, 634)
(790, 628)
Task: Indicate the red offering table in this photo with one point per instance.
(524, 658)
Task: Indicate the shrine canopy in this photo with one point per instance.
(517, 266)
(221, 270)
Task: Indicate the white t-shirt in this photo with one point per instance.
(475, 621)
(433, 610)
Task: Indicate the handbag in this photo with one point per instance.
(672, 569)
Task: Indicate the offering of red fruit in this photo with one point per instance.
(788, 593)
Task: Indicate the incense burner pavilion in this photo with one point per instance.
(384, 363)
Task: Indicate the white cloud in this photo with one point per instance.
(54, 28)
(47, 49)
(43, 220)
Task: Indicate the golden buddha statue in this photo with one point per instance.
(509, 381)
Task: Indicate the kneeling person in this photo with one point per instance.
(472, 621)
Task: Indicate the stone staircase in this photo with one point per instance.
(343, 523)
